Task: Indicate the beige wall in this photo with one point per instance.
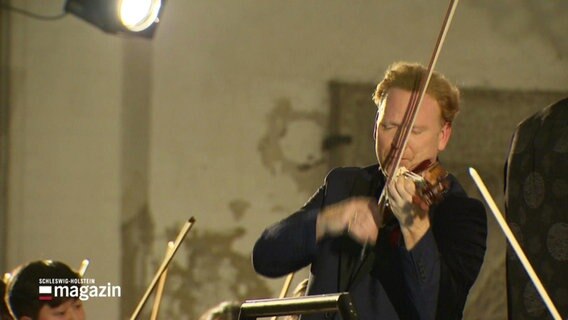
(63, 188)
(236, 103)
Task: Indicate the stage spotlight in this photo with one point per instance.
(132, 17)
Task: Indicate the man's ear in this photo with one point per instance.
(444, 136)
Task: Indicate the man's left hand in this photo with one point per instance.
(410, 212)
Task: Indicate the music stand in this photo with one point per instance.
(338, 302)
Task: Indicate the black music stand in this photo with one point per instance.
(338, 302)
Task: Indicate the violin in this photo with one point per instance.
(431, 182)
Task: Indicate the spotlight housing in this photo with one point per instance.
(131, 17)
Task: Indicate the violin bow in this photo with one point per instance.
(285, 288)
(181, 236)
(161, 285)
(83, 268)
(415, 102)
(392, 161)
(514, 243)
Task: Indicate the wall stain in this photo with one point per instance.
(238, 208)
(307, 173)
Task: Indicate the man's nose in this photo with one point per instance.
(409, 151)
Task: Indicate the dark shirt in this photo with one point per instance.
(387, 281)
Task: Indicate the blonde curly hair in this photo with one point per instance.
(406, 75)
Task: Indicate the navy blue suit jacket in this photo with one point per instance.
(431, 281)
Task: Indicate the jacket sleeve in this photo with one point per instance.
(460, 229)
(290, 244)
(421, 271)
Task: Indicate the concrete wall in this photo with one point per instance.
(221, 116)
(63, 192)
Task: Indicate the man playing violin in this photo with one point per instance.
(407, 259)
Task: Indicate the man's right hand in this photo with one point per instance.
(359, 216)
